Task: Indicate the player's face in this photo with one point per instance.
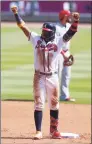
(45, 34)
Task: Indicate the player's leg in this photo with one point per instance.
(39, 100)
(53, 99)
(60, 66)
(65, 81)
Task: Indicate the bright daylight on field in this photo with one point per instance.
(45, 72)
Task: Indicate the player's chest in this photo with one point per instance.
(46, 48)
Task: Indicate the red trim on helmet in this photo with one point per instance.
(46, 29)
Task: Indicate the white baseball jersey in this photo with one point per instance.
(60, 31)
(65, 73)
(45, 54)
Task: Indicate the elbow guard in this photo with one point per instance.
(72, 30)
(19, 20)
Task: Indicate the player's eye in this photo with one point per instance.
(44, 33)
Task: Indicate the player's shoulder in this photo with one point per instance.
(59, 29)
(61, 26)
(34, 33)
(33, 36)
(58, 26)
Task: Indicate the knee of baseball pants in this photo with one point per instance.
(54, 104)
(39, 94)
(53, 99)
(39, 103)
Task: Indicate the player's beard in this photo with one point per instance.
(51, 38)
(48, 37)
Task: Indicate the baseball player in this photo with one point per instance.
(65, 73)
(46, 47)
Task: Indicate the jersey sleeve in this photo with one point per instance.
(32, 37)
(71, 32)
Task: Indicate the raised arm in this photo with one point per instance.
(73, 29)
(20, 22)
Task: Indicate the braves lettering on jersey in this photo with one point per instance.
(45, 55)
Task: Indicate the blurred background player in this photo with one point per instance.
(65, 73)
(27, 7)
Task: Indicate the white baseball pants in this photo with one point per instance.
(46, 86)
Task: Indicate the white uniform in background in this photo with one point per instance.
(45, 61)
(65, 73)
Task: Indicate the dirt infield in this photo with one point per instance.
(17, 123)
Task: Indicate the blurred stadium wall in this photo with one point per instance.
(41, 11)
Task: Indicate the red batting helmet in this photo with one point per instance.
(64, 13)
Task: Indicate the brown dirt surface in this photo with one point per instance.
(17, 123)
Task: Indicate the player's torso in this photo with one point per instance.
(45, 55)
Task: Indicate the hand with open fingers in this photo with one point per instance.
(14, 9)
(69, 61)
(75, 16)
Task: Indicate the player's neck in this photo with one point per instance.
(63, 23)
(46, 41)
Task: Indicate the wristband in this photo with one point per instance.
(19, 20)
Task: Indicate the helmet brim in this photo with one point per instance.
(46, 29)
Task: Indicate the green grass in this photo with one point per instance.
(79, 86)
(81, 41)
(17, 65)
(9, 96)
(81, 90)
